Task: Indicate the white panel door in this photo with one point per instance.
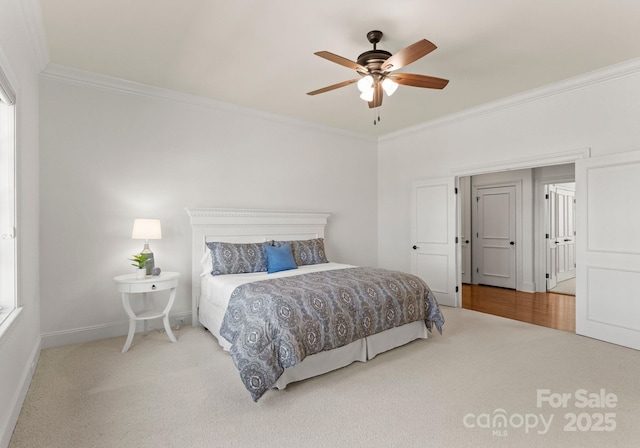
(433, 229)
(608, 249)
(496, 235)
(565, 237)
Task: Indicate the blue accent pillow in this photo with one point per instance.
(279, 258)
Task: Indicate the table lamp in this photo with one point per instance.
(147, 229)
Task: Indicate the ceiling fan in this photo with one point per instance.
(376, 69)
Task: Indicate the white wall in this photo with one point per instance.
(20, 345)
(597, 111)
(110, 156)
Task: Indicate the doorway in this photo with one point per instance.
(496, 224)
(532, 223)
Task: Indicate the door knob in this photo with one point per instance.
(512, 243)
(466, 241)
(415, 247)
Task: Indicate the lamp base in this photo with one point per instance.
(149, 264)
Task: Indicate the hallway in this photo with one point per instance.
(546, 309)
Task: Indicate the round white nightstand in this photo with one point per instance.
(128, 285)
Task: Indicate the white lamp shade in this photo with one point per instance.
(146, 229)
(365, 84)
(389, 86)
(367, 95)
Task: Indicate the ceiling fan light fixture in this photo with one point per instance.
(365, 84)
(389, 86)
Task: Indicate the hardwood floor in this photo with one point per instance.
(547, 309)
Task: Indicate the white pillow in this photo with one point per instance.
(206, 263)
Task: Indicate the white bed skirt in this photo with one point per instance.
(361, 350)
(323, 362)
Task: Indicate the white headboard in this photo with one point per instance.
(245, 226)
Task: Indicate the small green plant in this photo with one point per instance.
(139, 261)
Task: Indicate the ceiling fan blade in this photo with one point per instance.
(428, 82)
(334, 86)
(377, 96)
(408, 55)
(340, 60)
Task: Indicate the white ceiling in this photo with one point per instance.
(259, 53)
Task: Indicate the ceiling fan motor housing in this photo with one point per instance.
(372, 60)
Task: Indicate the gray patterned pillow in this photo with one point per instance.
(229, 258)
(307, 252)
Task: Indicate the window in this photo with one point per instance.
(8, 296)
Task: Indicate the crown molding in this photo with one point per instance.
(95, 80)
(624, 69)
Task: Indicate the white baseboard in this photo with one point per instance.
(104, 331)
(15, 406)
(529, 287)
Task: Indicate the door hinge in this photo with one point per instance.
(546, 275)
(478, 270)
(546, 235)
(456, 289)
(456, 240)
(546, 196)
(455, 190)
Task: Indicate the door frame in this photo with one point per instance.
(464, 228)
(559, 158)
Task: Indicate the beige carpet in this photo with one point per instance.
(442, 392)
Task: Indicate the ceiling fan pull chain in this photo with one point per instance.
(376, 121)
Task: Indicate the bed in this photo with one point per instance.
(289, 267)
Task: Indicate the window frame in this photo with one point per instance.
(8, 245)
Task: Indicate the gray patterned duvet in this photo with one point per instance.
(274, 324)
